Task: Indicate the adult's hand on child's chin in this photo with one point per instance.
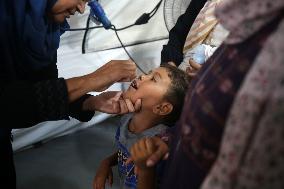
(103, 102)
(111, 102)
(126, 106)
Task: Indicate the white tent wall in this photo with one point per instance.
(72, 63)
(122, 13)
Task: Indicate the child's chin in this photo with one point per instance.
(130, 96)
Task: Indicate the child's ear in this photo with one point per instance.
(163, 109)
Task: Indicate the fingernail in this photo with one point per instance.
(166, 156)
(149, 163)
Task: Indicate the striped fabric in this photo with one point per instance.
(202, 26)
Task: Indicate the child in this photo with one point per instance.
(162, 92)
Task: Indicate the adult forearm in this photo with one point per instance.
(101, 79)
(146, 179)
(32, 103)
(78, 86)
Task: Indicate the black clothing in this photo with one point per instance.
(27, 103)
(29, 93)
(173, 51)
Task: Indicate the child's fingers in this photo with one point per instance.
(98, 184)
(95, 183)
(160, 152)
(110, 178)
(135, 151)
(133, 154)
(166, 156)
(129, 160)
(142, 148)
(101, 185)
(136, 170)
(149, 146)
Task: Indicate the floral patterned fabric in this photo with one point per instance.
(243, 18)
(207, 104)
(252, 151)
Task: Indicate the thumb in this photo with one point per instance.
(161, 152)
(129, 160)
(110, 179)
(154, 158)
(166, 156)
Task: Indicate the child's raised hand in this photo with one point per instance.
(140, 151)
(146, 149)
(103, 175)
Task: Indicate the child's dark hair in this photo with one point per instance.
(176, 92)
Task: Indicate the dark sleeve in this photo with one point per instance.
(75, 110)
(173, 51)
(25, 104)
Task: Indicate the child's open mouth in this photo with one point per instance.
(134, 84)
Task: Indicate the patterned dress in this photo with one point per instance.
(252, 151)
(199, 131)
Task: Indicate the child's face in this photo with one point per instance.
(150, 88)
